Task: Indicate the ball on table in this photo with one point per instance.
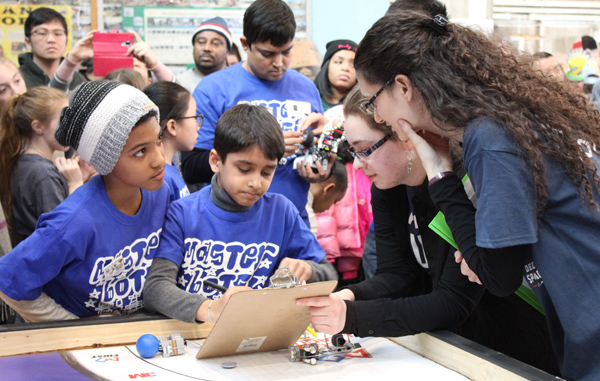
(147, 345)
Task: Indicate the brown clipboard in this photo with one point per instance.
(262, 320)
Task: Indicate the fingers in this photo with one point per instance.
(318, 301)
(465, 270)
(458, 256)
(136, 36)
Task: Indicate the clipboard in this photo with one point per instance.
(262, 320)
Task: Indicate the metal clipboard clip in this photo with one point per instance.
(283, 278)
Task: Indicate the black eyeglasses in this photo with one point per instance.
(199, 119)
(368, 107)
(364, 154)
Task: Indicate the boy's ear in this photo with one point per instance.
(244, 43)
(171, 127)
(28, 43)
(37, 127)
(215, 161)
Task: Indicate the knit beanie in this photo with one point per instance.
(98, 120)
(337, 45)
(216, 24)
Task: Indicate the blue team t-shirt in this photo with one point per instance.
(233, 249)
(565, 269)
(289, 99)
(176, 183)
(86, 254)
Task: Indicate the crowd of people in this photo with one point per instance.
(125, 193)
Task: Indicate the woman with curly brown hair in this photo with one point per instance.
(530, 151)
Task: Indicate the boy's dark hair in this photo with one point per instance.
(41, 16)
(430, 7)
(171, 99)
(339, 176)
(269, 20)
(245, 125)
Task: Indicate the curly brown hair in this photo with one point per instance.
(462, 74)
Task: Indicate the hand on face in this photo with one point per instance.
(328, 313)
(301, 269)
(432, 149)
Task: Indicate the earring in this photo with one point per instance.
(410, 155)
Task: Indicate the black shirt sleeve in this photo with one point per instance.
(195, 167)
(389, 304)
(500, 270)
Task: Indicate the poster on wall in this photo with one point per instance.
(12, 24)
(168, 30)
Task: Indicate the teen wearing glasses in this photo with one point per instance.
(530, 148)
(46, 37)
(418, 286)
(179, 124)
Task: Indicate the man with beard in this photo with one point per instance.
(212, 43)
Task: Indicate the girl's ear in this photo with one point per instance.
(405, 86)
(328, 188)
(171, 127)
(215, 161)
(37, 127)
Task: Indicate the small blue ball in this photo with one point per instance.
(147, 345)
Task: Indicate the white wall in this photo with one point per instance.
(344, 19)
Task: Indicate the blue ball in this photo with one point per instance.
(147, 345)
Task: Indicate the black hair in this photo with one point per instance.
(588, 42)
(430, 7)
(171, 99)
(41, 16)
(343, 152)
(541, 55)
(339, 176)
(151, 114)
(245, 125)
(269, 20)
(322, 81)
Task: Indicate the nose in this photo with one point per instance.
(376, 116)
(158, 157)
(255, 181)
(357, 164)
(278, 60)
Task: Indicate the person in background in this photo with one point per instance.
(46, 36)
(321, 196)
(11, 82)
(212, 44)
(234, 56)
(179, 124)
(30, 183)
(337, 76)
(127, 76)
(549, 65)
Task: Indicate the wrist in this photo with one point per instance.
(201, 312)
(152, 66)
(72, 60)
(441, 175)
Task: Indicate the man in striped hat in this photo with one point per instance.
(212, 42)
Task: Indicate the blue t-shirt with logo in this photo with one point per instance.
(565, 267)
(289, 99)
(86, 254)
(176, 183)
(233, 249)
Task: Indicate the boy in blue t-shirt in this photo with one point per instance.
(231, 232)
(263, 79)
(91, 254)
